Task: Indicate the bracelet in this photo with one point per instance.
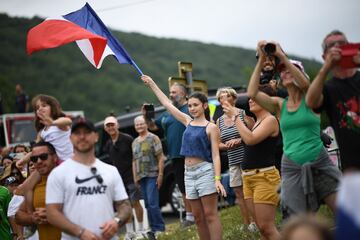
(218, 178)
(236, 116)
(82, 230)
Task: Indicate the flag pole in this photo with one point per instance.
(136, 67)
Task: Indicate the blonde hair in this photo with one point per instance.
(317, 224)
(228, 90)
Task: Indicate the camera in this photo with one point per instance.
(269, 49)
(266, 76)
(149, 112)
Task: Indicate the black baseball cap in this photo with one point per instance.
(82, 122)
(10, 180)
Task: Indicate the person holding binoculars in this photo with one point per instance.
(304, 159)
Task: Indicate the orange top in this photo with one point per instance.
(46, 231)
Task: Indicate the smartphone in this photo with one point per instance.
(149, 111)
(347, 54)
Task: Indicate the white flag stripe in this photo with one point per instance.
(349, 196)
(87, 50)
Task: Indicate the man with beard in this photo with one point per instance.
(173, 132)
(81, 193)
(44, 157)
(268, 76)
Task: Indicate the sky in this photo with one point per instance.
(299, 26)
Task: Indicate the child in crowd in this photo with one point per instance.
(53, 127)
(307, 227)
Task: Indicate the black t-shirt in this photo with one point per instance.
(120, 155)
(342, 105)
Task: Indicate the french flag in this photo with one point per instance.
(348, 208)
(86, 28)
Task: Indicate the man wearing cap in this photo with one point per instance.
(120, 153)
(340, 98)
(13, 178)
(173, 131)
(81, 192)
(44, 157)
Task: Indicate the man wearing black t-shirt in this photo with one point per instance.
(120, 153)
(21, 100)
(340, 98)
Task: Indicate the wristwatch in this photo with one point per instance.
(118, 221)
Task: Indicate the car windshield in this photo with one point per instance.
(22, 131)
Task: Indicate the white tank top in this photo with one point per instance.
(60, 139)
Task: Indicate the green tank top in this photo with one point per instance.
(301, 133)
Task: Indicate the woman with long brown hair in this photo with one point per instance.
(200, 147)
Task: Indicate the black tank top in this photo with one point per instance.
(260, 155)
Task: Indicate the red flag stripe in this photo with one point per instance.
(54, 33)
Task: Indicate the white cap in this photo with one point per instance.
(296, 63)
(110, 119)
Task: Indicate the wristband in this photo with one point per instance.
(218, 178)
(236, 116)
(82, 230)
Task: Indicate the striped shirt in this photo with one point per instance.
(235, 155)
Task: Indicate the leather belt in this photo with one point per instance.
(255, 171)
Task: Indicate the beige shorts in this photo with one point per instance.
(235, 176)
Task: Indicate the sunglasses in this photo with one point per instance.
(332, 44)
(97, 176)
(43, 157)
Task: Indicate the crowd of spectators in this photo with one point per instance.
(52, 189)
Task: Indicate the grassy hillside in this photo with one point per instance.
(66, 74)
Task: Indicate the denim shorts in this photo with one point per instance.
(199, 180)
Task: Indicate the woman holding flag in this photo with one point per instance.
(200, 146)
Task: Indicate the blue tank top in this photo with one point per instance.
(195, 143)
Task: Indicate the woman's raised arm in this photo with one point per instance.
(165, 101)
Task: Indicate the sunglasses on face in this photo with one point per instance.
(97, 176)
(332, 44)
(43, 157)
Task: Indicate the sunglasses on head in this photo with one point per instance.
(43, 157)
(97, 176)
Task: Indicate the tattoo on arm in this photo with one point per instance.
(123, 209)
